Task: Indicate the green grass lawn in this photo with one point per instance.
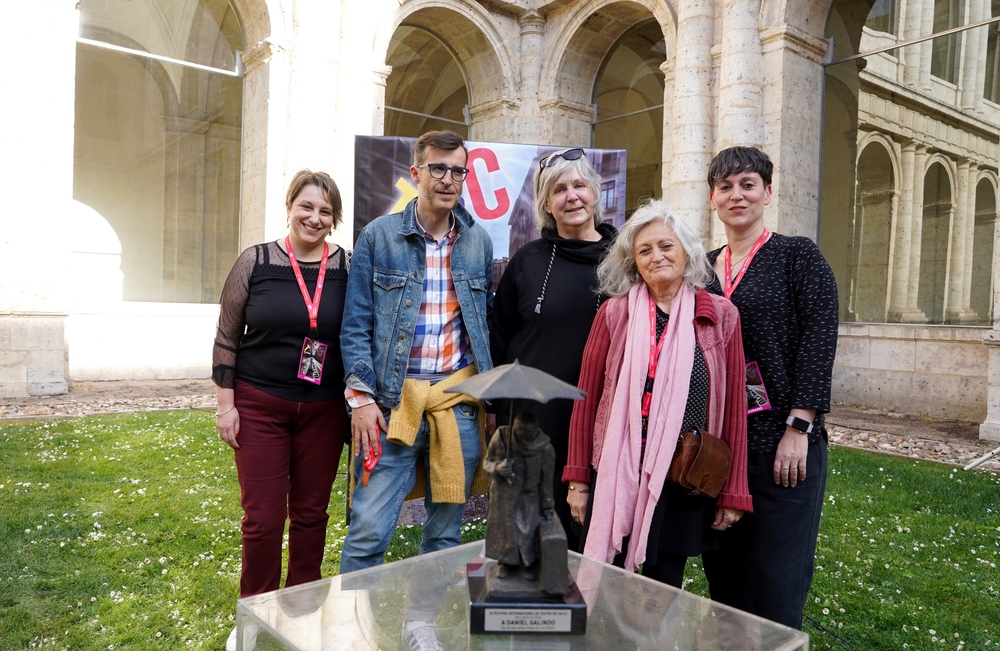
(122, 532)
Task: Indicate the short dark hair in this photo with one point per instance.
(735, 160)
(445, 140)
(326, 185)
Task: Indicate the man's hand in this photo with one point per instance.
(366, 424)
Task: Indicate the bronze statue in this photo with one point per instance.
(523, 533)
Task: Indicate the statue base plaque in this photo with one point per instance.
(515, 606)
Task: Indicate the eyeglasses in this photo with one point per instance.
(569, 154)
(438, 171)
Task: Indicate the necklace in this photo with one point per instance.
(737, 262)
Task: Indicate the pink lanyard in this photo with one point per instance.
(312, 304)
(730, 282)
(654, 354)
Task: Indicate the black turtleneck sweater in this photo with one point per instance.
(553, 338)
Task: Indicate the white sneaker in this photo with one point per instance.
(249, 638)
(421, 636)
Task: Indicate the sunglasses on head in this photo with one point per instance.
(569, 154)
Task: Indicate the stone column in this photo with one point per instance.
(183, 210)
(990, 428)
(973, 78)
(532, 32)
(740, 96)
(916, 233)
(265, 118)
(957, 308)
(917, 19)
(926, 49)
(910, 55)
(691, 140)
(380, 76)
(36, 195)
(900, 310)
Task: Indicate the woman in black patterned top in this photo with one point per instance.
(787, 297)
(280, 387)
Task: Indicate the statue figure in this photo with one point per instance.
(521, 523)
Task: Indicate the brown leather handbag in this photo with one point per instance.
(701, 463)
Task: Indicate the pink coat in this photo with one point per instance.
(717, 329)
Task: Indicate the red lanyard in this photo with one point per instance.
(312, 304)
(732, 283)
(654, 354)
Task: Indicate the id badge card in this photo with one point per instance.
(311, 360)
(757, 399)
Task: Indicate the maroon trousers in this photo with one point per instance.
(287, 461)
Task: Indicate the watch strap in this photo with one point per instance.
(800, 424)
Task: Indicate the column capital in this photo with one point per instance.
(261, 53)
(382, 75)
(531, 22)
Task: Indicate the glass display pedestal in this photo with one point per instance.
(365, 611)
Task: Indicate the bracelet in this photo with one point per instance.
(582, 490)
(219, 413)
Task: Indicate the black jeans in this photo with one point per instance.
(764, 564)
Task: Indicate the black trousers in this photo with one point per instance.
(764, 564)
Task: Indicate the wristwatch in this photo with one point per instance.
(799, 424)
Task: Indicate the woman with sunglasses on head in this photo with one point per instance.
(547, 297)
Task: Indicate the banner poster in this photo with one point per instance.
(498, 191)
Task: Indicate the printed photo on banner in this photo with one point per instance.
(498, 191)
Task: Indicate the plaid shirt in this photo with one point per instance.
(440, 345)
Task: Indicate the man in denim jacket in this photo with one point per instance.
(415, 321)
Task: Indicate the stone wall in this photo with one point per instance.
(939, 371)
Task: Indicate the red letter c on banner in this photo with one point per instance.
(476, 191)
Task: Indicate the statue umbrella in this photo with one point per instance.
(517, 381)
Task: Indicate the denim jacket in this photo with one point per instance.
(383, 298)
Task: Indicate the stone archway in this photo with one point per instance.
(481, 49)
(578, 49)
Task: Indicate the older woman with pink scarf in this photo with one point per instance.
(663, 356)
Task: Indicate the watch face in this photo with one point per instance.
(798, 423)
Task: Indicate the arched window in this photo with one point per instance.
(871, 230)
(991, 86)
(934, 236)
(159, 97)
(945, 52)
(884, 17)
(427, 88)
(629, 98)
(984, 236)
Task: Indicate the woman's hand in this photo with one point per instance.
(579, 495)
(725, 518)
(228, 425)
(366, 424)
(790, 461)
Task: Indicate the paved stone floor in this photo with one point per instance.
(953, 442)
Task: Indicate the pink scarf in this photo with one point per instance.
(626, 495)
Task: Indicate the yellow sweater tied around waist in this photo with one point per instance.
(422, 399)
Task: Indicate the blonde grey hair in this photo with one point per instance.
(617, 273)
(545, 178)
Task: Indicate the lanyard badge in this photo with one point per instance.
(731, 282)
(313, 351)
